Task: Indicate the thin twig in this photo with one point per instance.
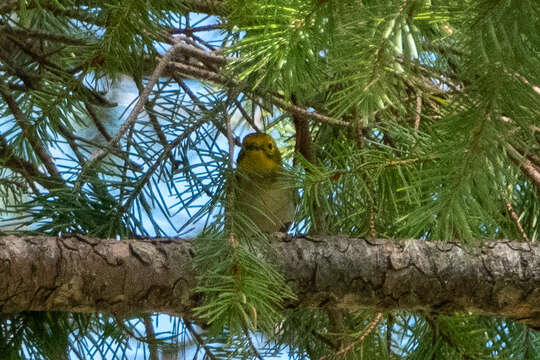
(203, 74)
(431, 322)
(202, 107)
(39, 58)
(149, 108)
(132, 118)
(230, 187)
(120, 322)
(515, 217)
(97, 121)
(198, 73)
(117, 152)
(199, 339)
(29, 133)
(152, 346)
(309, 114)
(366, 332)
(166, 151)
(28, 170)
(201, 54)
(372, 231)
(389, 327)
(71, 141)
(29, 33)
(418, 111)
(526, 166)
(191, 30)
(246, 116)
(230, 139)
(324, 340)
(250, 342)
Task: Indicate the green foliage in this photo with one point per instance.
(242, 289)
(51, 335)
(440, 104)
(285, 36)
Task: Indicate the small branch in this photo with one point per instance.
(304, 142)
(230, 139)
(70, 139)
(97, 121)
(149, 108)
(198, 73)
(115, 151)
(362, 337)
(534, 88)
(229, 188)
(203, 74)
(526, 166)
(191, 30)
(29, 134)
(401, 162)
(516, 220)
(132, 118)
(120, 322)
(197, 102)
(39, 58)
(200, 54)
(324, 340)
(309, 114)
(165, 153)
(246, 116)
(535, 159)
(252, 346)
(418, 111)
(389, 327)
(433, 325)
(29, 33)
(199, 339)
(150, 335)
(372, 229)
(29, 172)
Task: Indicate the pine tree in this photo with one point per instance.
(396, 119)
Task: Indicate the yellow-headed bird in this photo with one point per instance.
(262, 194)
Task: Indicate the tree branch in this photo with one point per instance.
(525, 165)
(133, 116)
(29, 133)
(201, 74)
(81, 274)
(29, 171)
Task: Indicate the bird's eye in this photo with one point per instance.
(270, 146)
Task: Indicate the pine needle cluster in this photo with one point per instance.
(422, 118)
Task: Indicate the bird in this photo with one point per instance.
(261, 192)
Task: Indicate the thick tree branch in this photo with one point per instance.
(131, 276)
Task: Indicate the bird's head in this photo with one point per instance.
(259, 155)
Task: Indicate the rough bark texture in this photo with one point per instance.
(83, 275)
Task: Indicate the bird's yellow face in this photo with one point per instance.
(259, 155)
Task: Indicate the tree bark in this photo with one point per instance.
(82, 274)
